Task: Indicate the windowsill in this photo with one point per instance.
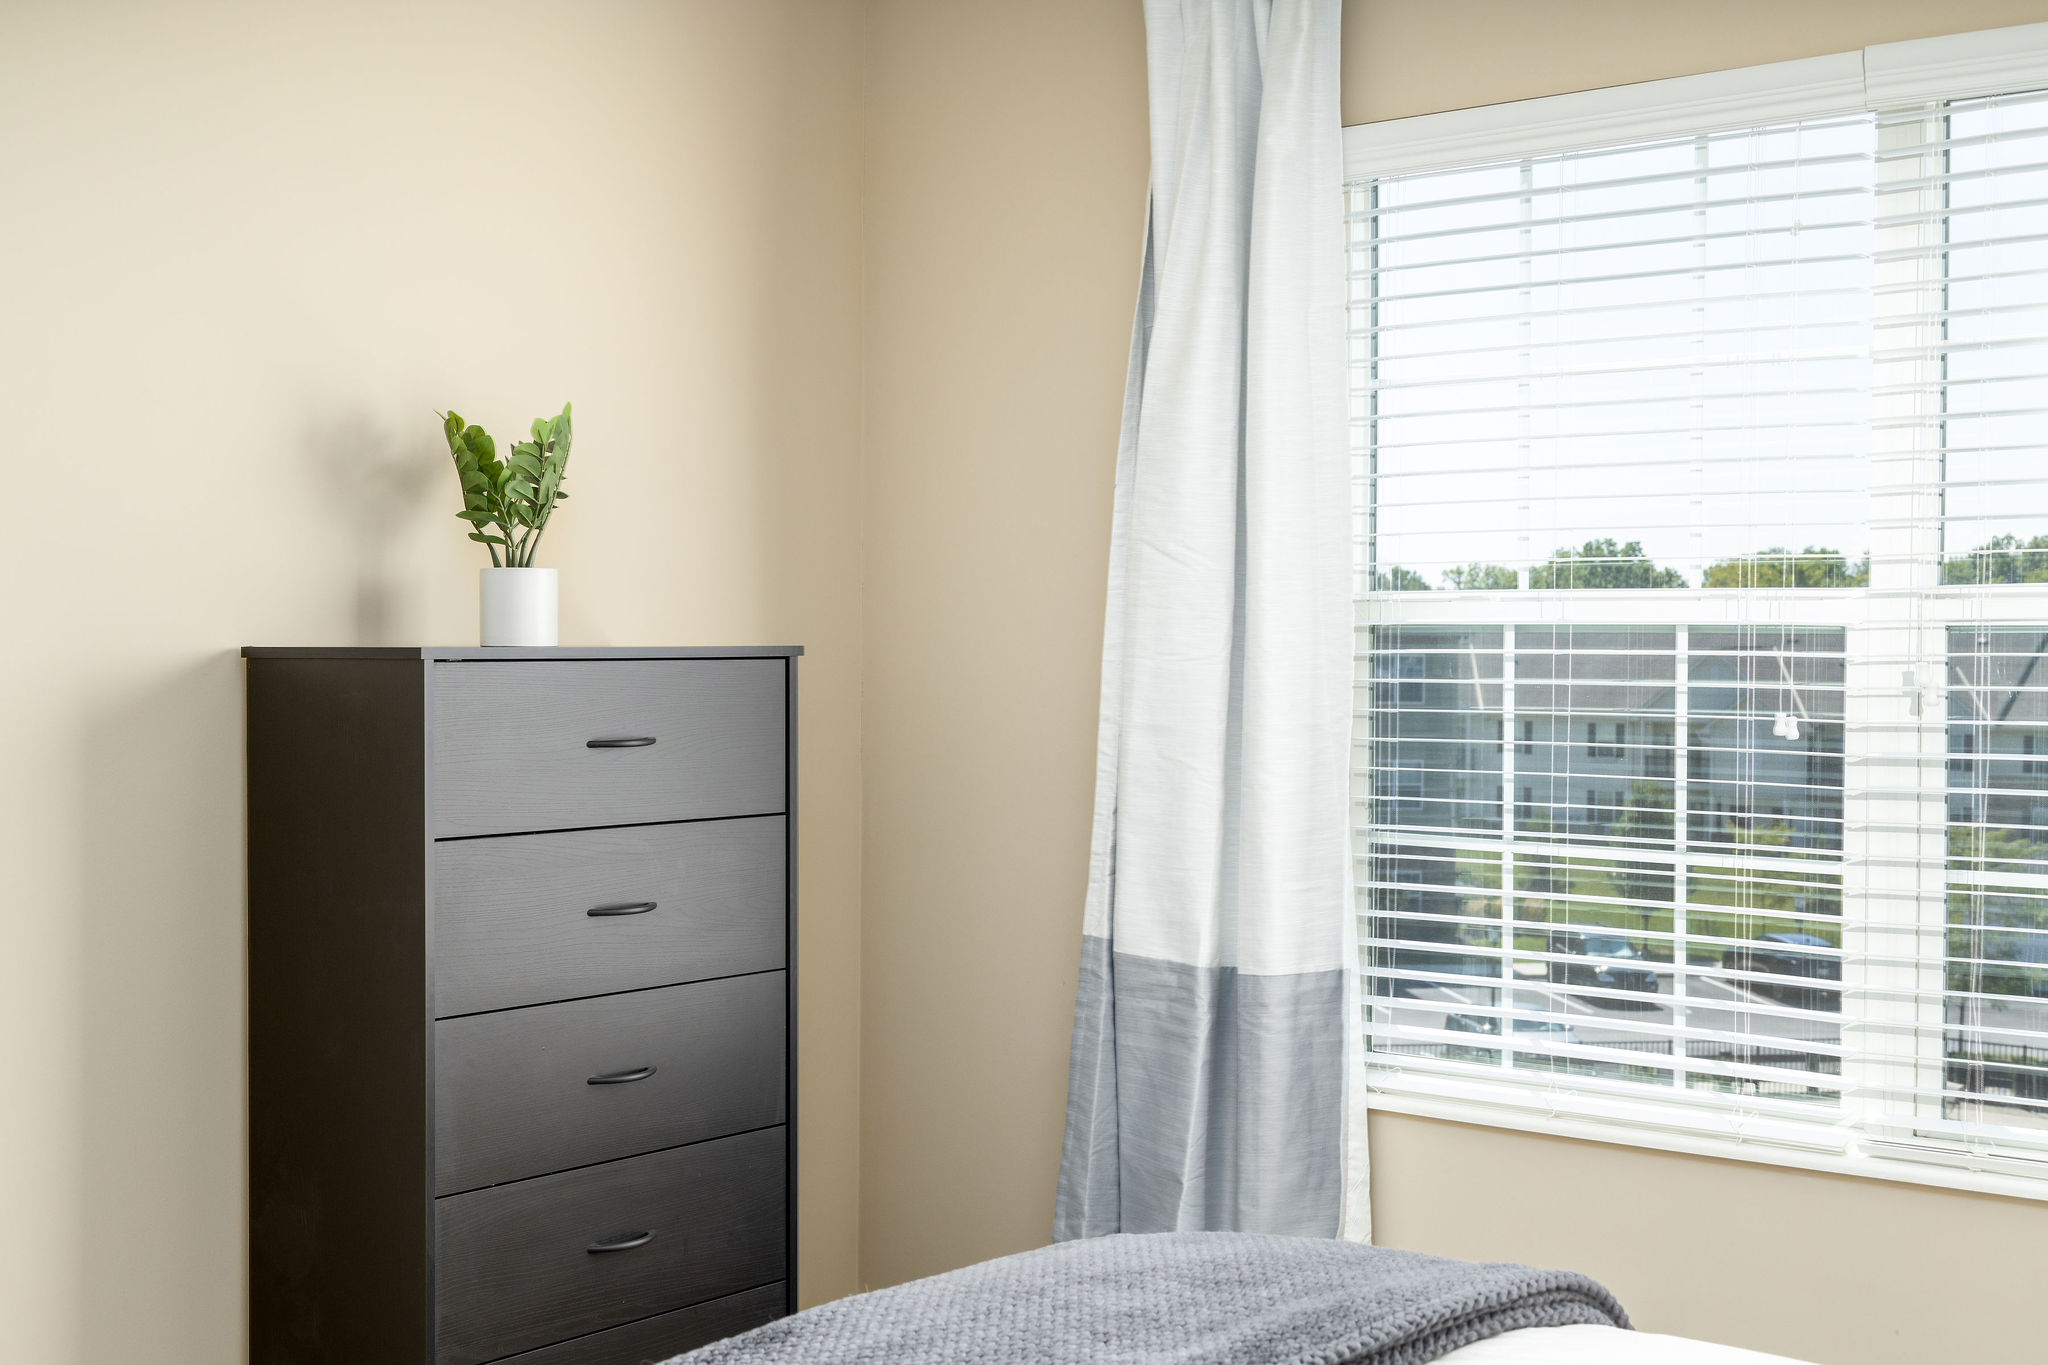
(1940, 1168)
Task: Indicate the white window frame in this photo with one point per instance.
(1904, 899)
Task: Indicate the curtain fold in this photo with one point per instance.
(1216, 1039)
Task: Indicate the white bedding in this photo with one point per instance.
(1601, 1346)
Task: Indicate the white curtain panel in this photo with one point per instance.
(1216, 1033)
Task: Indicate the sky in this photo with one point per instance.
(1673, 343)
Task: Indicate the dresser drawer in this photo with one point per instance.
(676, 740)
(514, 1095)
(514, 1269)
(513, 922)
(666, 1334)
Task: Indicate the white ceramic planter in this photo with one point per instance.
(519, 606)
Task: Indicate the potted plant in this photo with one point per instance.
(507, 504)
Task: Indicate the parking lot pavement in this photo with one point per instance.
(1713, 1004)
(2001, 1032)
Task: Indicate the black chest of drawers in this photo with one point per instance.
(522, 1080)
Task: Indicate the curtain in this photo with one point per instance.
(1216, 1035)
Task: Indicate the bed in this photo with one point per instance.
(1222, 1298)
(1586, 1344)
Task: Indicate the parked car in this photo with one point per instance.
(1608, 961)
(1524, 1030)
(1540, 1030)
(1779, 955)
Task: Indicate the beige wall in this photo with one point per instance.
(1005, 198)
(1825, 1268)
(244, 253)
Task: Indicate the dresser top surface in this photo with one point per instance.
(445, 653)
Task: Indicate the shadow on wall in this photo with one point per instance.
(383, 487)
(161, 1227)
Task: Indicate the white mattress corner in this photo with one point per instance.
(1586, 1345)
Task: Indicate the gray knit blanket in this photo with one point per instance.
(1180, 1298)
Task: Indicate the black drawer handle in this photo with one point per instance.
(625, 1242)
(622, 908)
(631, 742)
(638, 1073)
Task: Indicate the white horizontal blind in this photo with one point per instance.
(1703, 600)
(1962, 334)
(1593, 890)
(1670, 337)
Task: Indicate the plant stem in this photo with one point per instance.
(538, 527)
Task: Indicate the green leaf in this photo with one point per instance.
(514, 494)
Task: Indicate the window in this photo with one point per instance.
(1703, 633)
(1595, 749)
